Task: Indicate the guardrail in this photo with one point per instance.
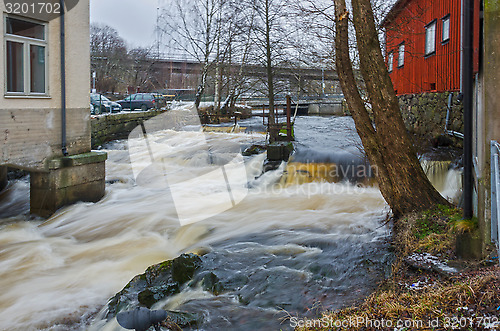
(495, 193)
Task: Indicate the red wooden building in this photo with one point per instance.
(423, 45)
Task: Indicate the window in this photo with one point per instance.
(401, 57)
(390, 61)
(26, 55)
(430, 38)
(446, 29)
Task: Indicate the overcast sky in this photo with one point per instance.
(134, 20)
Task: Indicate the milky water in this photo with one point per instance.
(291, 250)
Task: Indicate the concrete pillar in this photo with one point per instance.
(491, 85)
(302, 86)
(3, 177)
(68, 180)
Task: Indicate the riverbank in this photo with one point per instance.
(115, 126)
(430, 288)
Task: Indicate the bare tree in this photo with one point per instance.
(236, 45)
(192, 26)
(141, 73)
(269, 34)
(109, 56)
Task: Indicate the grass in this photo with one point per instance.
(417, 299)
(432, 231)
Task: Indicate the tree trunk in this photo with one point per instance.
(269, 64)
(218, 73)
(206, 55)
(201, 87)
(401, 178)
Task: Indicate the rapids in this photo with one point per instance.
(284, 249)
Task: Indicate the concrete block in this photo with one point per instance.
(336, 109)
(279, 151)
(77, 160)
(72, 179)
(469, 246)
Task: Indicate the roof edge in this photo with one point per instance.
(395, 10)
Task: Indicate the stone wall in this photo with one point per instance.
(425, 114)
(117, 126)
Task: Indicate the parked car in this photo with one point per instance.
(99, 104)
(142, 101)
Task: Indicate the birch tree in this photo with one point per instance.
(192, 26)
(268, 36)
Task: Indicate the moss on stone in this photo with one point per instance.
(156, 283)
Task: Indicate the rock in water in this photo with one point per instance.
(140, 319)
(156, 283)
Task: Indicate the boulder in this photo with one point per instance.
(156, 283)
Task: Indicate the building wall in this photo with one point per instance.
(488, 114)
(439, 72)
(30, 127)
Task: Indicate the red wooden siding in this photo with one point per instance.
(440, 71)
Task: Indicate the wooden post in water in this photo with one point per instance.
(289, 118)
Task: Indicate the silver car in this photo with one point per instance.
(99, 104)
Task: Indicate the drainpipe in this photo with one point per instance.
(448, 113)
(63, 80)
(467, 90)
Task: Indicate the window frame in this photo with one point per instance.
(27, 42)
(446, 18)
(390, 61)
(427, 27)
(401, 61)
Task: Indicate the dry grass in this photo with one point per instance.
(442, 301)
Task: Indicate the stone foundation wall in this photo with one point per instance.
(425, 114)
(117, 126)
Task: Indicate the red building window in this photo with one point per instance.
(430, 38)
(390, 61)
(401, 55)
(446, 29)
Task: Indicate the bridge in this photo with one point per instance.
(308, 105)
(185, 74)
(281, 72)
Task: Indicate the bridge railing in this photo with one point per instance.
(495, 193)
(303, 98)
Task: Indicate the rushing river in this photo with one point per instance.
(286, 250)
